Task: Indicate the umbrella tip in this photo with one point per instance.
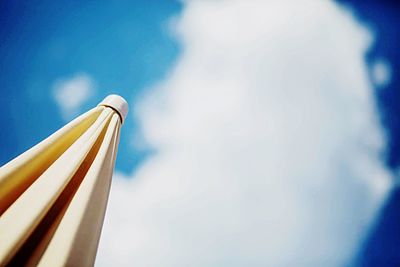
(118, 103)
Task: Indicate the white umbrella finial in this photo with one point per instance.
(118, 103)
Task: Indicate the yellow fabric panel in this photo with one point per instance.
(24, 215)
(53, 197)
(76, 238)
(17, 175)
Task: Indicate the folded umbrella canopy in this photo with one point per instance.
(53, 197)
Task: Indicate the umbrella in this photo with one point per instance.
(53, 197)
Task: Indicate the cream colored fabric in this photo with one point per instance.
(21, 172)
(53, 197)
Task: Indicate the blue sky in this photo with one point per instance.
(123, 47)
(383, 18)
(215, 90)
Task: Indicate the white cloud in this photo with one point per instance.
(71, 93)
(381, 73)
(268, 144)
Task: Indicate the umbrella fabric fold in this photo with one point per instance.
(53, 197)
